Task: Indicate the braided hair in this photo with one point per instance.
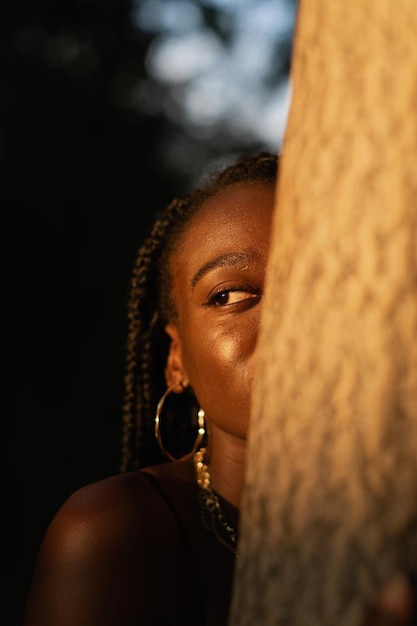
(151, 306)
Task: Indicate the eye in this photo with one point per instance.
(228, 297)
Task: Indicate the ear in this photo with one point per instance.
(174, 368)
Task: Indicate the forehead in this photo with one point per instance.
(240, 206)
(236, 219)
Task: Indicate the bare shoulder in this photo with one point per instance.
(121, 507)
(108, 541)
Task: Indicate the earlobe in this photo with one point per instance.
(174, 369)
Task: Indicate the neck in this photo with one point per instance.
(227, 463)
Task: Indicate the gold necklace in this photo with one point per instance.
(211, 512)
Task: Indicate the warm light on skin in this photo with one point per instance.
(218, 273)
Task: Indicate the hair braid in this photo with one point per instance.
(150, 306)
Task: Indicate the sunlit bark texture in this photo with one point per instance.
(330, 506)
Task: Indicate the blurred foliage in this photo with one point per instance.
(81, 84)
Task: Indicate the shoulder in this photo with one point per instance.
(124, 508)
(109, 540)
(122, 514)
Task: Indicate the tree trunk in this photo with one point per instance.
(330, 505)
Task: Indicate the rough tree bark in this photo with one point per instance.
(330, 505)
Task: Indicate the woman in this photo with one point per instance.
(157, 544)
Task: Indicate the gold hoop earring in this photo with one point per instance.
(201, 431)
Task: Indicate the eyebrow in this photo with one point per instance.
(224, 260)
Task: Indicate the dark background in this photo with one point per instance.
(85, 164)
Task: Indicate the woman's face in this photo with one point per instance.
(218, 280)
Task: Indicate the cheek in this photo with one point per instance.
(216, 355)
(227, 351)
(223, 363)
(220, 347)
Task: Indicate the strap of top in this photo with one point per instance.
(179, 492)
